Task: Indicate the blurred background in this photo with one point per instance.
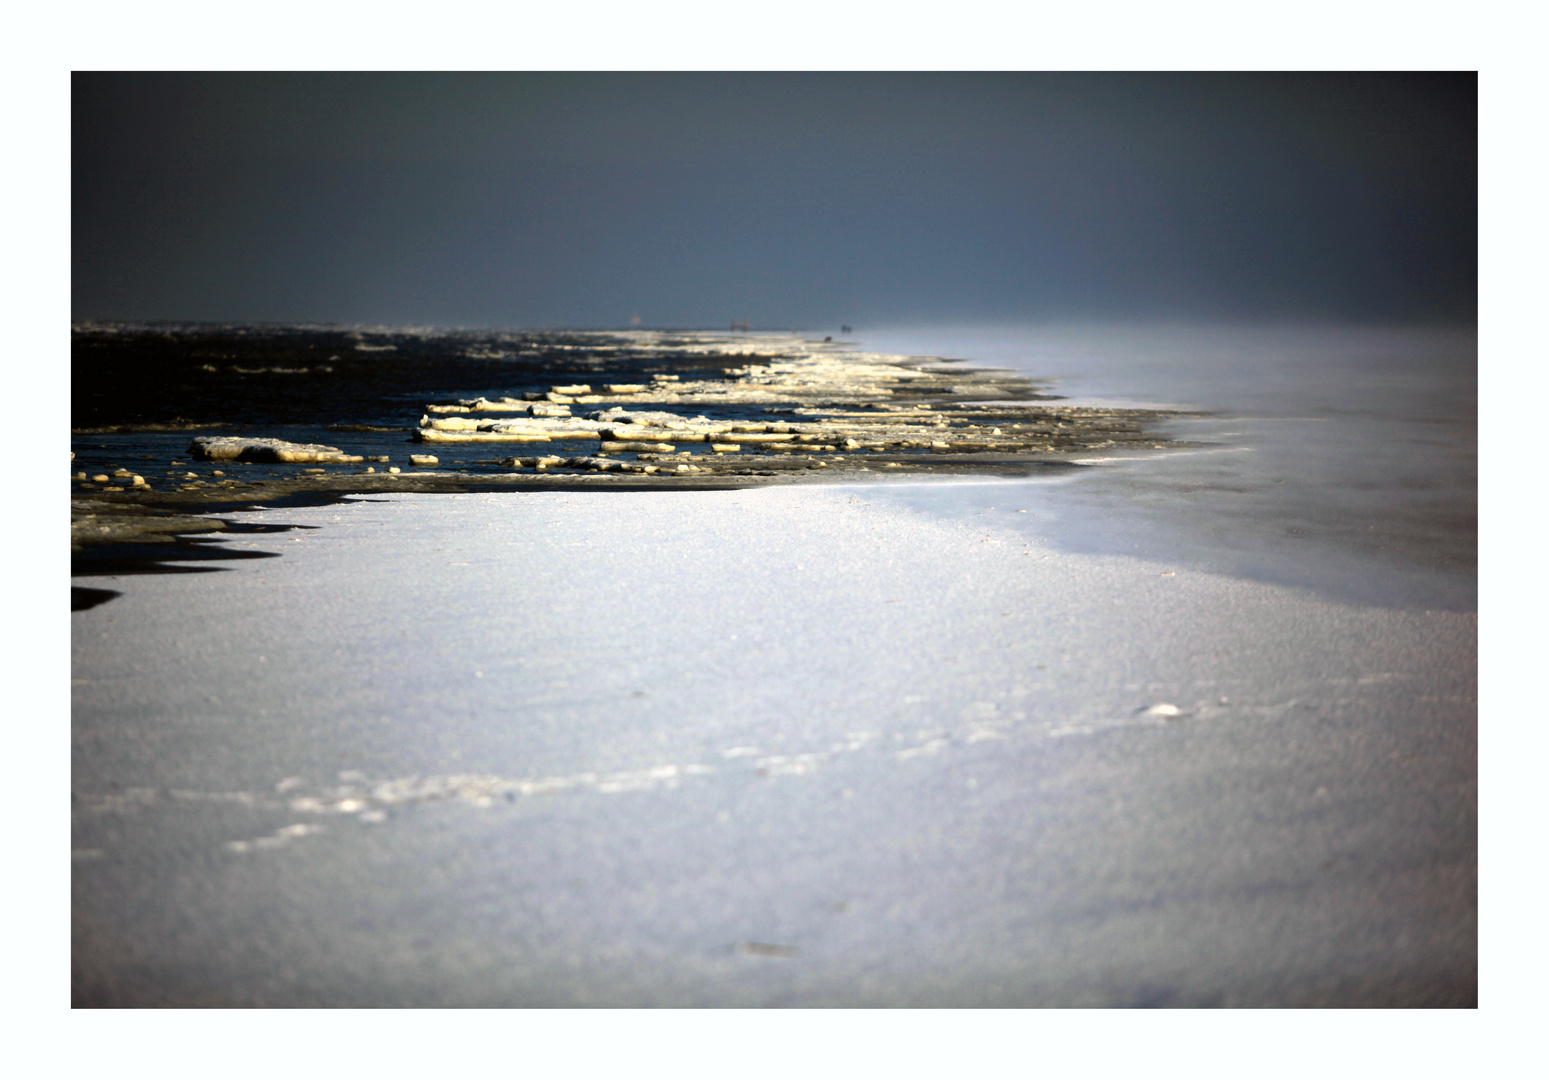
(804, 200)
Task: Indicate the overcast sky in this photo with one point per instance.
(801, 200)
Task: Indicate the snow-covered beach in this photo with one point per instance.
(1193, 730)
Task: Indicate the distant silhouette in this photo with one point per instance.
(740, 324)
(844, 330)
(828, 339)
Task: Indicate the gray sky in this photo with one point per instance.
(792, 199)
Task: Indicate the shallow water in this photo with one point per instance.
(362, 391)
(1344, 459)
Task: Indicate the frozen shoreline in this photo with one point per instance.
(1342, 459)
(909, 742)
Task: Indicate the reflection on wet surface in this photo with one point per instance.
(1343, 459)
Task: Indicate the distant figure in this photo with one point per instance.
(739, 324)
(634, 320)
(844, 330)
(827, 340)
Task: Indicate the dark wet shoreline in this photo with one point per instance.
(145, 377)
(143, 499)
(151, 532)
